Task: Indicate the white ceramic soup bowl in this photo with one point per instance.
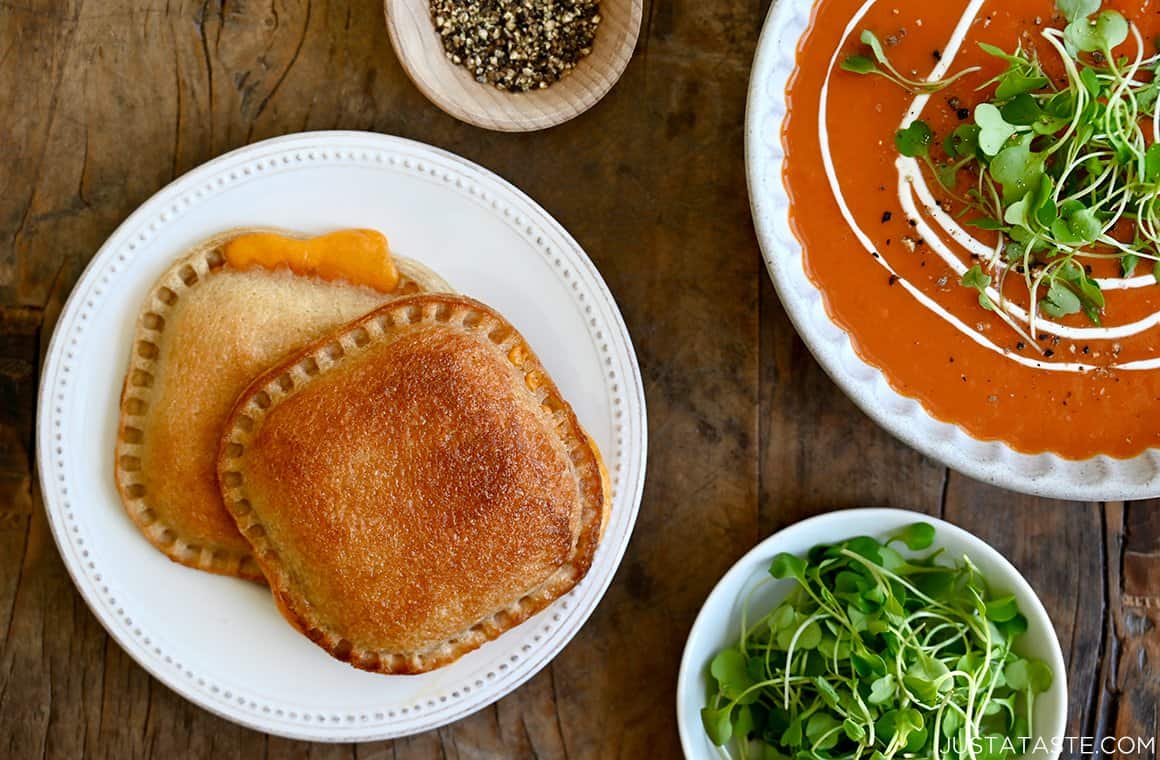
(1098, 478)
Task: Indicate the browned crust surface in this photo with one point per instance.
(413, 485)
(217, 548)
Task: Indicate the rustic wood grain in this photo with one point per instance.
(105, 101)
(1134, 674)
(818, 451)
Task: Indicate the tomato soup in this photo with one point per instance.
(888, 248)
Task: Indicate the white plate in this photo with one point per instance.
(219, 641)
(719, 621)
(1100, 478)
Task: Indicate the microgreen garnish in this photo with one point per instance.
(1067, 172)
(1077, 9)
(975, 278)
(877, 655)
(914, 140)
(1097, 34)
(880, 65)
(994, 131)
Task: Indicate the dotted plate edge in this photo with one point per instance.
(561, 621)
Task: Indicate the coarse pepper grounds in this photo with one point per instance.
(517, 45)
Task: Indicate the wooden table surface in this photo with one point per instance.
(103, 102)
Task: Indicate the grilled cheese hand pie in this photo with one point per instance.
(226, 311)
(413, 485)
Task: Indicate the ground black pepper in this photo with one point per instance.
(517, 45)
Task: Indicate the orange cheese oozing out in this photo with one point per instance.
(360, 257)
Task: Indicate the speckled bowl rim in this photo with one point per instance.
(1099, 478)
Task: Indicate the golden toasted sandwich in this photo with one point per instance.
(224, 312)
(413, 484)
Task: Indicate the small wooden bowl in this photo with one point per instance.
(455, 90)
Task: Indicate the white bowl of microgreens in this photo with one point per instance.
(872, 634)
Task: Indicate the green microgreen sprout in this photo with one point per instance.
(914, 141)
(977, 279)
(1065, 172)
(1077, 9)
(876, 655)
(878, 64)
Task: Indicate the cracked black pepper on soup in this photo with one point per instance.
(517, 45)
